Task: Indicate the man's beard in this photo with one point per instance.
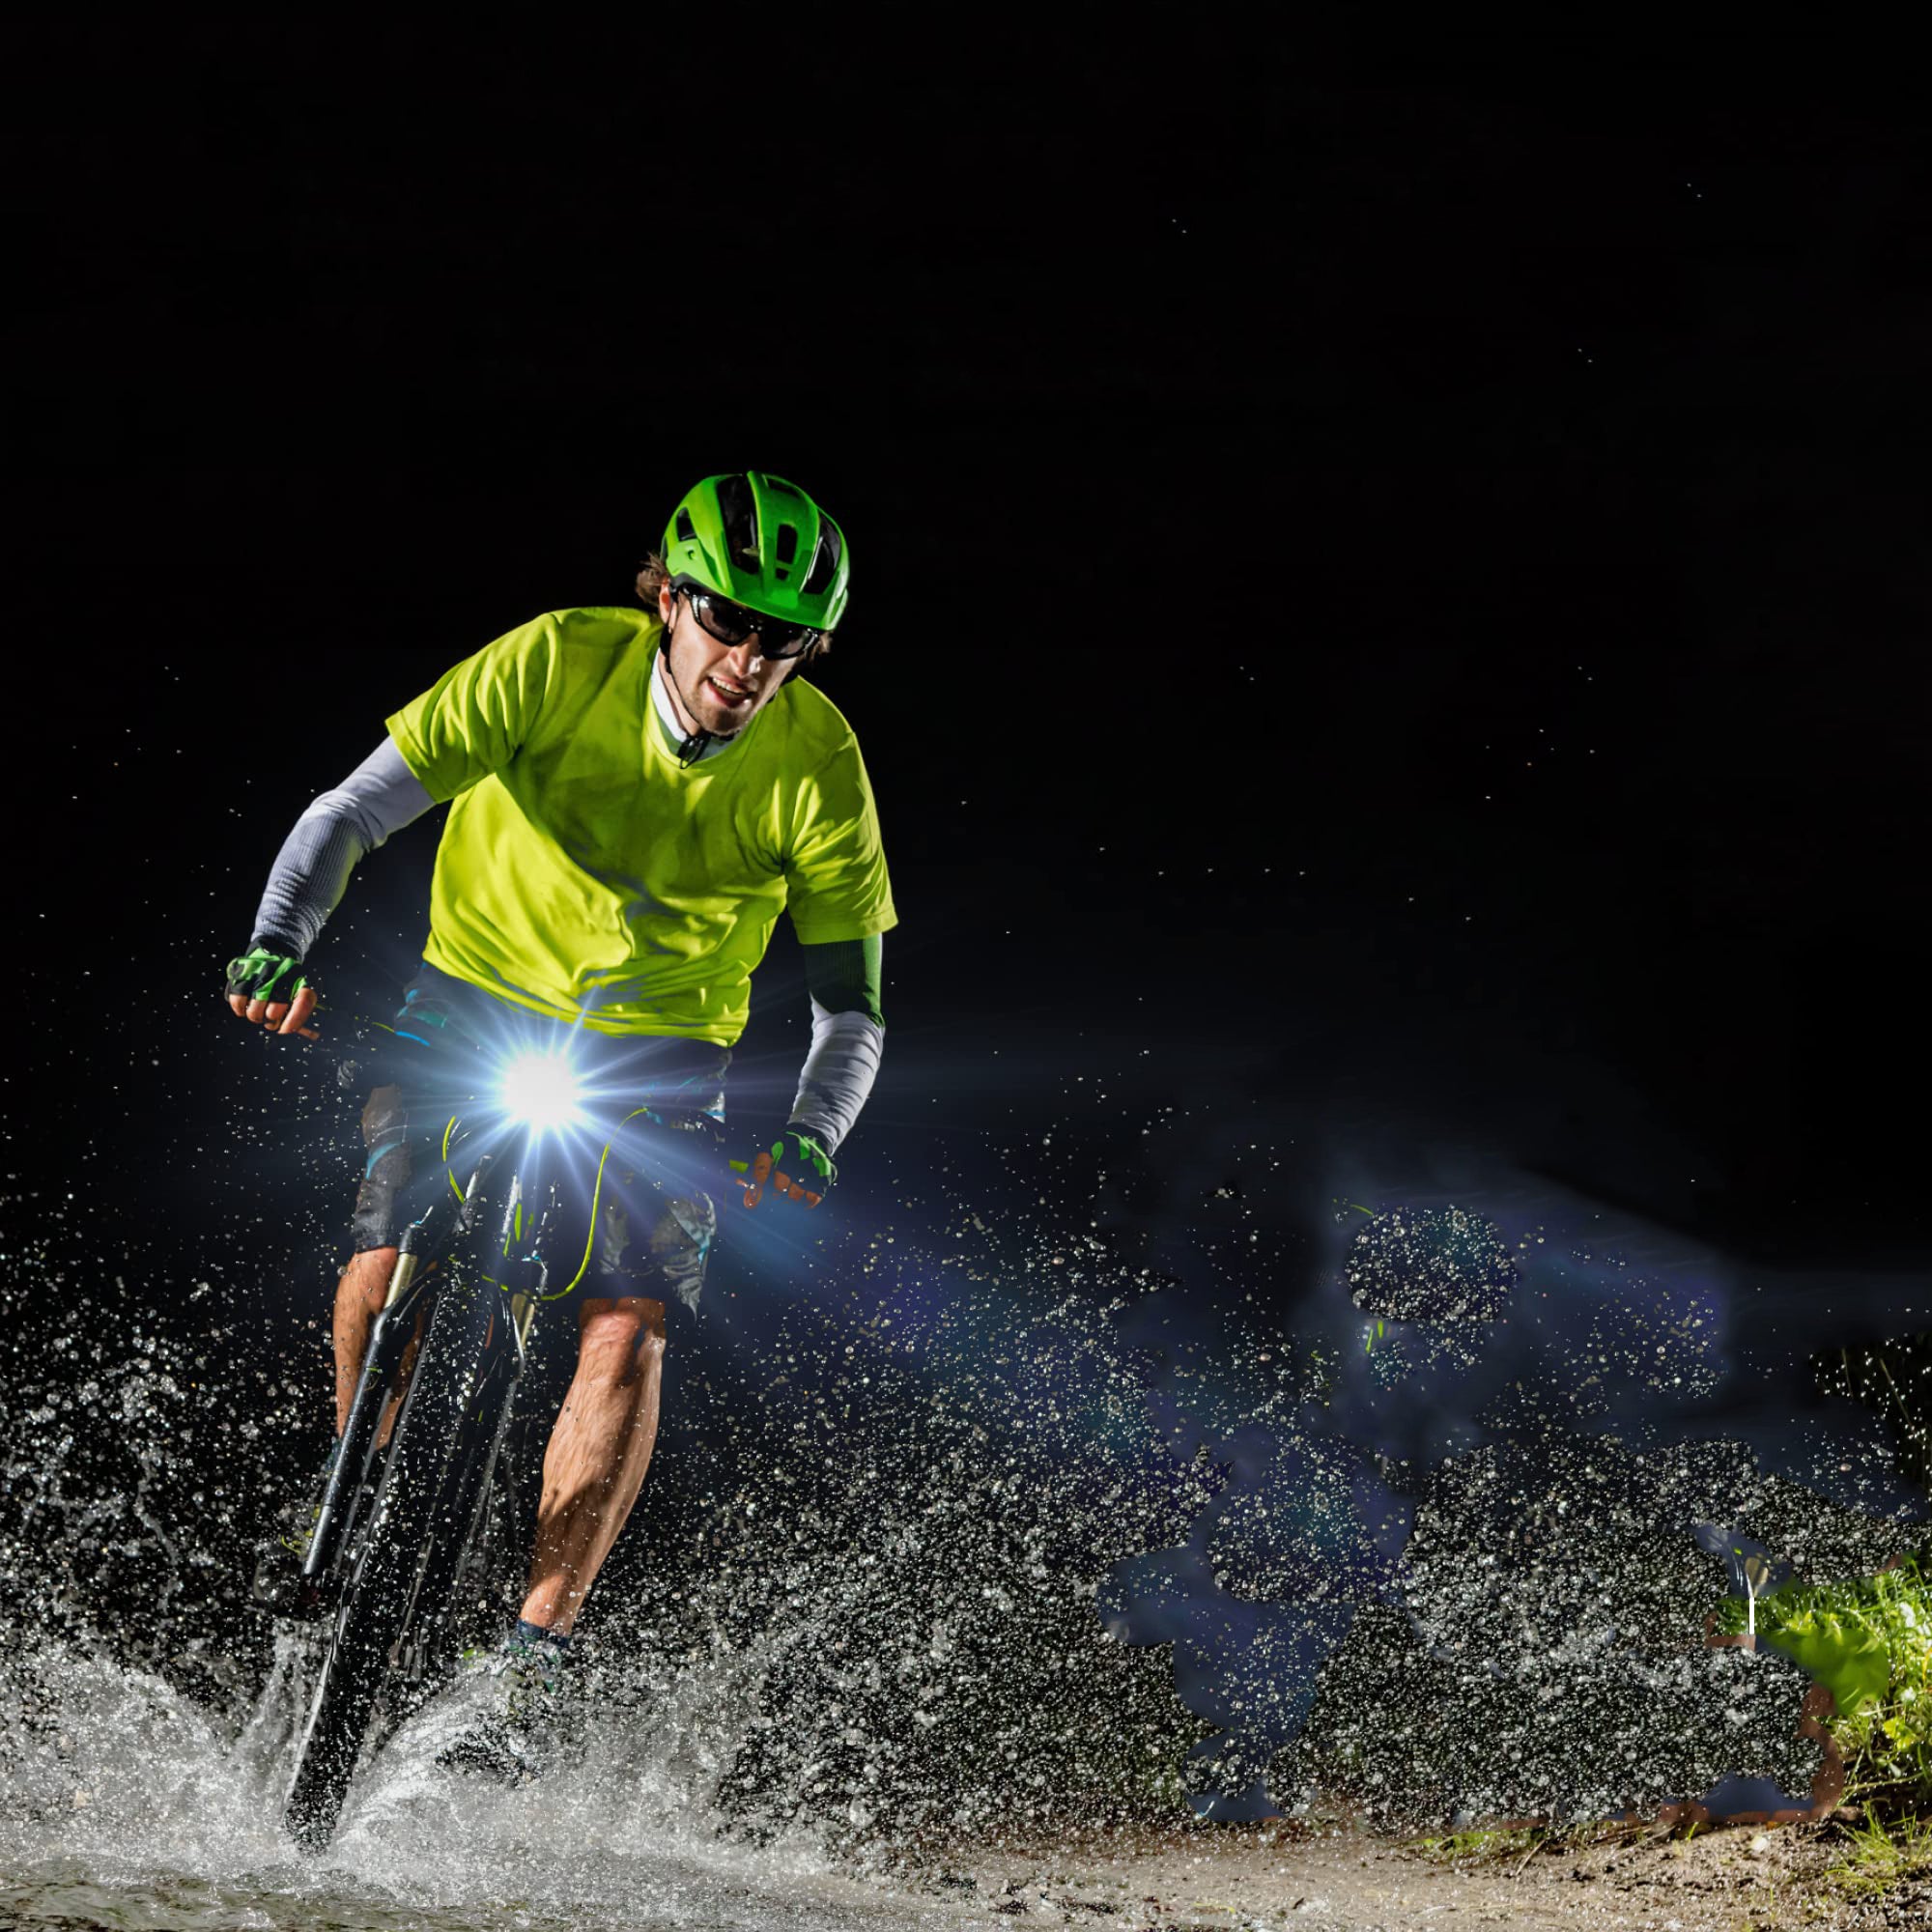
(729, 727)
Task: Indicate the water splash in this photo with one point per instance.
(920, 1529)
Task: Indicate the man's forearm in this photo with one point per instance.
(311, 872)
(848, 1035)
(839, 1074)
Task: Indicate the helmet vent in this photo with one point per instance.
(825, 560)
(740, 512)
(684, 532)
(786, 550)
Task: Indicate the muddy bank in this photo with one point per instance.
(1340, 1875)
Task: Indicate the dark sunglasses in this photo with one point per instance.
(731, 623)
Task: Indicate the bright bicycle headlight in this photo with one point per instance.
(540, 1090)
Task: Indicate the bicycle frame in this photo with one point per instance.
(518, 1271)
(506, 1289)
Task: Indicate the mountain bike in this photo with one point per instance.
(401, 1519)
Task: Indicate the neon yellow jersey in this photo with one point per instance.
(583, 870)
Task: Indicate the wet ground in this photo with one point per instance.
(1740, 1879)
(1249, 1877)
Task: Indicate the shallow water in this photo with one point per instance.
(122, 1804)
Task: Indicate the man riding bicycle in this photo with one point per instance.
(635, 794)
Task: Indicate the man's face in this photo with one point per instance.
(723, 687)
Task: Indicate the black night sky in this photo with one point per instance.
(1386, 580)
(1389, 585)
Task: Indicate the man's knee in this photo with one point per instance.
(367, 1276)
(620, 1338)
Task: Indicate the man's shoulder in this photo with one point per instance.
(601, 627)
(588, 650)
(815, 726)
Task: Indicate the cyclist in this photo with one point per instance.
(635, 794)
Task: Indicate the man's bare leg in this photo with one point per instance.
(598, 1453)
(358, 1300)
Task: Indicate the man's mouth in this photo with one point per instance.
(728, 692)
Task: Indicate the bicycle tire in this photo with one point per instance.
(467, 1493)
(410, 1541)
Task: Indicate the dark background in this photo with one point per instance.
(1382, 579)
(1387, 623)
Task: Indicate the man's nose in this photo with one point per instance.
(746, 658)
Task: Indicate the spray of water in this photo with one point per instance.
(1076, 1512)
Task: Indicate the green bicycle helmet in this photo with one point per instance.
(763, 542)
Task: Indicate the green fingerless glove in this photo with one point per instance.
(263, 975)
(796, 1152)
(795, 1164)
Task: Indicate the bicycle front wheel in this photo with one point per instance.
(414, 1535)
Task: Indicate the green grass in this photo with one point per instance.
(1496, 1846)
(1869, 1642)
(1881, 1854)
(1474, 1847)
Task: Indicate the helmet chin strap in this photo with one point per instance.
(693, 749)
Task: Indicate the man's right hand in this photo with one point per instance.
(267, 987)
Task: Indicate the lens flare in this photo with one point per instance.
(540, 1090)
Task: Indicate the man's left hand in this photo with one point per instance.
(795, 1165)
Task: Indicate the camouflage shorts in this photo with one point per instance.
(655, 1219)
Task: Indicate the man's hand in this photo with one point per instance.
(794, 1164)
(267, 987)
